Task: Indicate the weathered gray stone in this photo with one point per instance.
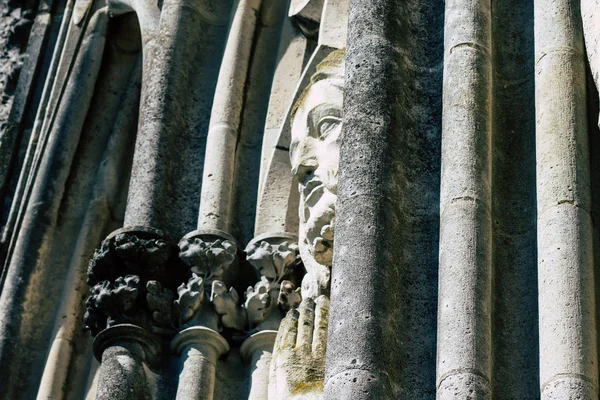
(37, 228)
(165, 185)
(381, 330)
(567, 314)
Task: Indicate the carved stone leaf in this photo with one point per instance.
(289, 296)
(160, 302)
(226, 304)
(274, 261)
(260, 256)
(208, 259)
(190, 296)
(258, 301)
(112, 302)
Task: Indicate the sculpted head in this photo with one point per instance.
(314, 153)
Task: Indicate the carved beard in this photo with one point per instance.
(317, 224)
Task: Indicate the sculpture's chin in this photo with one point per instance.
(316, 231)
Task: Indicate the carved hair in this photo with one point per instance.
(332, 66)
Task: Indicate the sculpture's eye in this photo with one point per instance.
(327, 125)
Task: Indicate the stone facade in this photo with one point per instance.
(299, 199)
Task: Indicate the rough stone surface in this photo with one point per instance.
(423, 172)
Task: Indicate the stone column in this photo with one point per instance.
(225, 120)
(40, 217)
(567, 313)
(200, 348)
(362, 344)
(257, 351)
(125, 352)
(109, 179)
(590, 13)
(165, 188)
(464, 364)
(134, 273)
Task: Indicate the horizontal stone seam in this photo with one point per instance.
(466, 199)
(563, 49)
(463, 371)
(561, 203)
(470, 45)
(569, 375)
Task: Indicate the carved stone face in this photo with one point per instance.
(314, 152)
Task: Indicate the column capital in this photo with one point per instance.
(260, 341)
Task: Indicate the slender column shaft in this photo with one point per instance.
(199, 348)
(164, 187)
(258, 350)
(590, 12)
(125, 351)
(465, 267)
(42, 212)
(96, 220)
(219, 163)
(252, 127)
(568, 347)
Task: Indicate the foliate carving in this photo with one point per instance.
(134, 272)
(274, 261)
(258, 302)
(142, 253)
(208, 259)
(190, 297)
(263, 304)
(112, 302)
(226, 304)
(160, 303)
(289, 296)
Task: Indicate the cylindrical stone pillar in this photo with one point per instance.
(199, 348)
(257, 351)
(464, 354)
(362, 345)
(222, 140)
(567, 312)
(124, 351)
(164, 187)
